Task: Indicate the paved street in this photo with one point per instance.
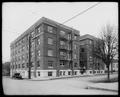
(71, 86)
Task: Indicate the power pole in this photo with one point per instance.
(72, 52)
(29, 69)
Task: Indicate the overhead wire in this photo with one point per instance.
(81, 13)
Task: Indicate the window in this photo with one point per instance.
(50, 63)
(38, 73)
(90, 72)
(82, 50)
(49, 73)
(75, 56)
(39, 29)
(23, 57)
(38, 41)
(69, 36)
(61, 53)
(75, 64)
(32, 64)
(94, 71)
(50, 53)
(75, 46)
(62, 63)
(98, 71)
(23, 65)
(69, 73)
(62, 33)
(62, 43)
(50, 29)
(39, 53)
(50, 41)
(90, 58)
(75, 37)
(75, 72)
(63, 72)
(38, 63)
(69, 56)
(90, 41)
(32, 54)
(32, 34)
(60, 72)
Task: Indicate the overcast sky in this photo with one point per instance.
(18, 17)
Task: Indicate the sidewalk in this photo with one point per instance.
(104, 86)
(63, 77)
(54, 78)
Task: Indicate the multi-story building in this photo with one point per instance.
(49, 48)
(90, 61)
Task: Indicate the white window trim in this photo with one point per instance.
(50, 40)
(50, 29)
(50, 52)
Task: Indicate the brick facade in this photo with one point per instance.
(55, 50)
(52, 50)
(88, 55)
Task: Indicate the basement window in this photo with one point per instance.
(49, 73)
(75, 72)
(69, 72)
(90, 72)
(38, 73)
(63, 72)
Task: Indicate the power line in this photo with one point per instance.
(81, 12)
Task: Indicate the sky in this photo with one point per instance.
(17, 17)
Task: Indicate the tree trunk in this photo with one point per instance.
(108, 73)
(111, 68)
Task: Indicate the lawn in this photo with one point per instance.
(105, 80)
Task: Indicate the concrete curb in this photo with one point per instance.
(65, 77)
(46, 79)
(90, 87)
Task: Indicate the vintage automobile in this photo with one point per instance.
(17, 76)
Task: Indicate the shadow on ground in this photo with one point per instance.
(105, 80)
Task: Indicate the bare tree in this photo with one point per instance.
(108, 45)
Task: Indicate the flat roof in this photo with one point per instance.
(44, 20)
(87, 36)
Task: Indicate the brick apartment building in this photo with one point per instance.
(54, 50)
(90, 60)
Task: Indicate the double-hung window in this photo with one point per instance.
(33, 34)
(50, 41)
(38, 63)
(75, 56)
(62, 43)
(50, 63)
(75, 37)
(50, 29)
(39, 41)
(62, 33)
(39, 53)
(50, 52)
(39, 29)
(75, 46)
